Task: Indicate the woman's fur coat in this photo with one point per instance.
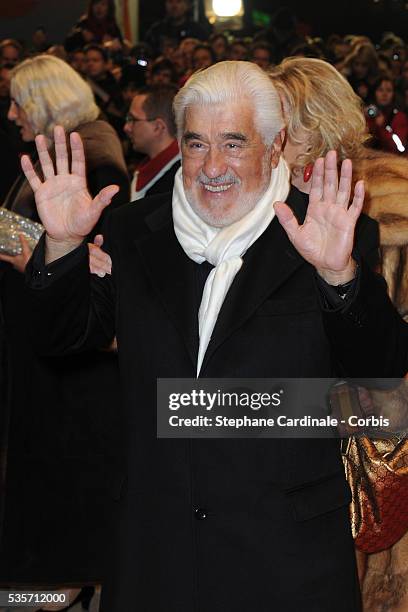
(386, 184)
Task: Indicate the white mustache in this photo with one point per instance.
(222, 179)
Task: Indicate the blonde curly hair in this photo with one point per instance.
(51, 93)
(320, 108)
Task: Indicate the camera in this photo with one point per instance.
(372, 111)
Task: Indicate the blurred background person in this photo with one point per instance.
(11, 52)
(39, 40)
(308, 49)
(162, 72)
(261, 53)
(393, 47)
(219, 44)
(387, 124)
(132, 79)
(97, 26)
(203, 57)
(106, 89)
(151, 129)
(238, 50)
(186, 47)
(361, 69)
(282, 33)
(176, 25)
(403, 78)
(337, 48)
(63, 458)
(77, 61)
(384, 65)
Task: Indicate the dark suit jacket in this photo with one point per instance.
(165, 183)
(275, 533)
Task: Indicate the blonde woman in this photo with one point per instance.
(63, 434)
(45, 92)
(322, 113)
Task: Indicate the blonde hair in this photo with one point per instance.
(321, 109)
(233, 81)
(51, 93)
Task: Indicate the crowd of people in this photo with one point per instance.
(175, 47)
(346, 93)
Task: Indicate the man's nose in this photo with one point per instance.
(215, 163)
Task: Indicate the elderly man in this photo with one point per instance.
(209, 284)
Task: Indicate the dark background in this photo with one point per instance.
(19, 18)
(367, 17)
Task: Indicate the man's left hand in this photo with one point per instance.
(326, 237)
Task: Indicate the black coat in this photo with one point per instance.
(63, 447)
(165, 183)
(275, 533)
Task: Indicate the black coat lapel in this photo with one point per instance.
(172, 274)
(267, 264)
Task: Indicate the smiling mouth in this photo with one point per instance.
(217, 188)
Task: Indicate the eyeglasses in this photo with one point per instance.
(131, 119)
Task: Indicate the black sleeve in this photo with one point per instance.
(69, 309)
(366, 248)
(367, 335)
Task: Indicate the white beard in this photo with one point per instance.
(216, 216)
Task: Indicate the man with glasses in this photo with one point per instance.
(151, 129)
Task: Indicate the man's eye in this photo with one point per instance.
(195, 145)
(232, 145)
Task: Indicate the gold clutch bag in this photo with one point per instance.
(11, 225)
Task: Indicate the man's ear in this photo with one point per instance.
(277, 148)
(159, 125)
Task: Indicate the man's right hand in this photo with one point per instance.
(65, 207)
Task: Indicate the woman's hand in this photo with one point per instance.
(100, 262)
(20, 261)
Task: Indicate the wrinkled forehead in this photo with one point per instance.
(224, 117)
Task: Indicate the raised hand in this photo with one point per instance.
(326, 237)
(64, 204)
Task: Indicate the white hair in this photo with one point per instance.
(52, 93)
(232, 81)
